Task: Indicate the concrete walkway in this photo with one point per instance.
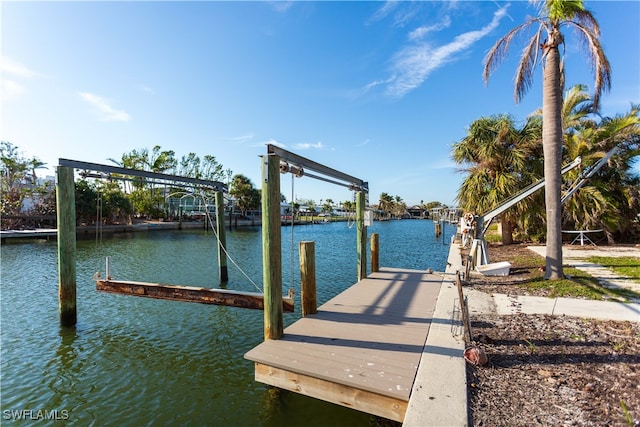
(502, 304)
(575, 257)
(439, 394)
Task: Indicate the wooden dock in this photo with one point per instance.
(363, 347)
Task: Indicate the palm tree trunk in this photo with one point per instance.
(552, 148)
(506, 235)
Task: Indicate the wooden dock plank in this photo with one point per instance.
(368, 339)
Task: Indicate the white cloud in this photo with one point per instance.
(271, 141)
(281, 6)
(384, 11)
(242, 139)
(11, 89)
(307, 145)
(107, 113)
(16, 69)
(146, 89)
(414, 63)
(371, 85)
(420, 32)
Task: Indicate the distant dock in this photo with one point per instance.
(40, 233)
(90, 230)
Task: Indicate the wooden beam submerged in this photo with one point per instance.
(241, 299)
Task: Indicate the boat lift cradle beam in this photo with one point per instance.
(483, 221)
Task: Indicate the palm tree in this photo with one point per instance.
(607, 201)
(246, 196)
(554, 14)
(498, 158)
(611, 200)
(386, 203)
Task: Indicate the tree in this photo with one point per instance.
(610, 199)
(554, 14)
(349, 205)
(497, 157)
(328, 206)
(17, 180)
(385, 203)
(208, 168)
(246, 197)
(399, 207)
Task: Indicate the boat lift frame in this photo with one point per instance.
(66, 220)
(278, 161)
(479, 246)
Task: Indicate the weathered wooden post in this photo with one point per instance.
(66, 216)
(308, 277)
(222, 238)
(271, 248)
(361, 235)
(375, 252)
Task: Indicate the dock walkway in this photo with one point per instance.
(363, 347)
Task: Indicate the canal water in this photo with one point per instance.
(137, 361)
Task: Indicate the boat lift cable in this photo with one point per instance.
(292, 224)
(99, 230)
(215, 232)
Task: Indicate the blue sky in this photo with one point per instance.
(378, 90)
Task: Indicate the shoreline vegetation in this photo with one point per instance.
(89, 231)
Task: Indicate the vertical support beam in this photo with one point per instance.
(375, 252)
(66, 216)
(222, 239)
(361, 235)
(308, 277)
(271, 248)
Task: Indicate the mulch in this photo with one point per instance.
(551, 370)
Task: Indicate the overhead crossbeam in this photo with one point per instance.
(302, 164)
(159, 178)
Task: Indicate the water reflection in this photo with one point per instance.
(136, 361)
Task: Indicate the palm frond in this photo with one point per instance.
(498, 52)
(526, 67)
(599, 63)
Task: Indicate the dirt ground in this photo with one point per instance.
(551, 370)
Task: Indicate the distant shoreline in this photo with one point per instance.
(88, 231)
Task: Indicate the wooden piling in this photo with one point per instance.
(222, 239)
(438, 229)
(308, 278)
(66, 216)
(271, 248)
(375, 252)
(361, 235)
